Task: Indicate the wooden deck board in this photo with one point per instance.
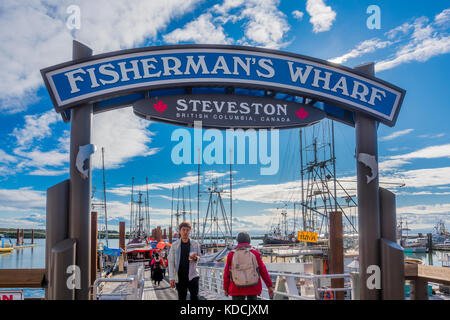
(22, 278)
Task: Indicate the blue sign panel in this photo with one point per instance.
(115, 74)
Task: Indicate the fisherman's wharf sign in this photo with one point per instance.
(129, 71)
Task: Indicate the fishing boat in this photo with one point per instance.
(141, 246)
(6, 245)
(277, 236)
(108, 258)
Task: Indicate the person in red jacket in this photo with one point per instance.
(250, 292)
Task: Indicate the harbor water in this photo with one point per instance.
(34, 257)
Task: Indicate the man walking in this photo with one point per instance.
(183, 258)
(244, 270)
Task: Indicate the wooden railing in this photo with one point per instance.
(420, 275)
(22, 278)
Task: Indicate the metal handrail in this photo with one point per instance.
(217, 286)
(126, 293)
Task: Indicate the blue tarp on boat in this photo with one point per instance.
(111, 252)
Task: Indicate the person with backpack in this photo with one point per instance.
(157, 265)
(244, 270)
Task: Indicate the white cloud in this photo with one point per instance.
(439, 135)
(6, 158)
(123, 137)
(190, 179)
(425, 209)
(431, 152)
(397, 161)
(390, 165)
(32, 221)
(36, 127)
(41, 159)
(364, 47)
(227, 6)
(443, 18)
(21, 199)
(422, 193)
(396, 134)
(48, 173)
(322, 16)
(422, 51)
(426, 41)
(266, 25)
(297, 14)
(34, 35)
(263, 24)
(201, 30)
(420, 178)
(417, 41)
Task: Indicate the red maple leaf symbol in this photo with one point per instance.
(301, 113)
(160, 106)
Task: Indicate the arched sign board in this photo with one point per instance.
(128, 73)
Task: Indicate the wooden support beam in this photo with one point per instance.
(122, 235)
(336, 254)
(22, 278)
(428, 273)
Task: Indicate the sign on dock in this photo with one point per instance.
(307, 236)
(11, 294)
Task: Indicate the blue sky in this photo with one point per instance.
(411, 50)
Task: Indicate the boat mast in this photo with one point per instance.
(190, 205)
(198, 198)
(171, 216)
(148, 209)
(104, 197)
(184, 208)
(131, 209)
(231, 200)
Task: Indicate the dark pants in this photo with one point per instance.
(253, 297)
(183, 287)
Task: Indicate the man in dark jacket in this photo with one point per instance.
(250, 292)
